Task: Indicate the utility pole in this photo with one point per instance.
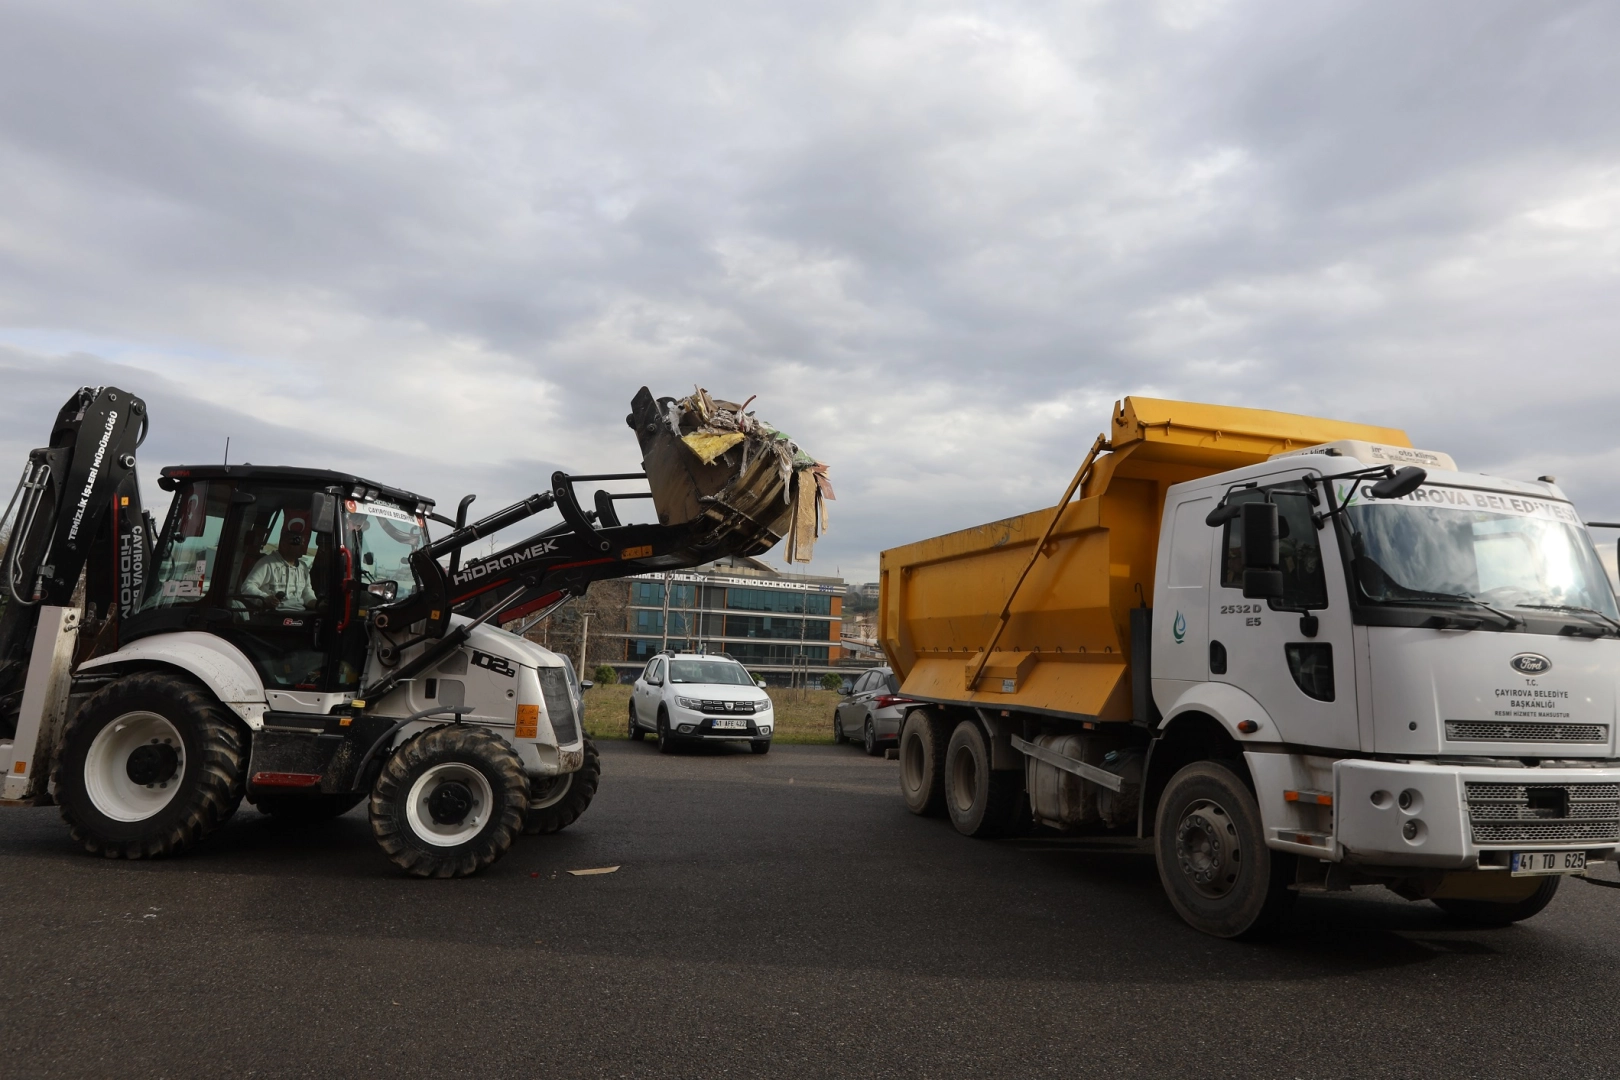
(584, 637)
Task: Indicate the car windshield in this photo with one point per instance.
(1502, 550)
(723, 672)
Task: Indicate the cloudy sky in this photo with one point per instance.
(442, 244)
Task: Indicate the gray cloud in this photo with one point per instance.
(445, 244)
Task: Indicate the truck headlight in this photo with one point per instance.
(689, 703)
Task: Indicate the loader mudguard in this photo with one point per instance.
(212, 661)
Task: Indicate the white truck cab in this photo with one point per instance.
(1428, 680)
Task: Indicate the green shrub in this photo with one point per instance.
(831, 681)
(605, 675)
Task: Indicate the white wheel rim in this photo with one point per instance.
(559, 786)
(421, 817)
(106, 767)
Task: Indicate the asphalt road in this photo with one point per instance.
(776, 916)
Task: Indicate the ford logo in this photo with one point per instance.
(1529, 663)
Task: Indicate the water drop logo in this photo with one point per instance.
(1178, 629)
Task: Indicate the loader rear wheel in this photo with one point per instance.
(306, 809)
(1212, 855)
(556, 803)
(981, 801)
(449, 802)
(1499, 913)
(922, 762)
(149, 766)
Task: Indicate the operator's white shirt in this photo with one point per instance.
(273, 574)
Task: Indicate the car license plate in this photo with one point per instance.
(725, 724)
(1548, 862)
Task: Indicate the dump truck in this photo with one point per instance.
(1286, 655)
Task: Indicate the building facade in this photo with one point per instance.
(780, 626)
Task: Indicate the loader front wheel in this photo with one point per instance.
(556, 803)
(149, 766)
(449, 802)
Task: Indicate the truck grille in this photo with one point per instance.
(1506, 731)
(1503, 813)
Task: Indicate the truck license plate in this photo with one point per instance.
(721, 724)
(1548, 862)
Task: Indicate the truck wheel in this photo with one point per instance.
(1212, 855)
(922, 762)
(149, 766)
(839, 738)
(449, 802)
(306, 809)
(636, 734)
(556, 803)
(1498, 913)
(981, 801)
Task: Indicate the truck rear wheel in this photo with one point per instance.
(922, 762)
(556, 803)
(1500, 913)
(149, 766)
(1212, 855)
(449, 802)
(981, 801)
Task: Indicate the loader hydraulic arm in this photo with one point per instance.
(76, 511)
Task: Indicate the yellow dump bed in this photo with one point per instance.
(1066, 646)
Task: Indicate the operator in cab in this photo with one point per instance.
(280, 581)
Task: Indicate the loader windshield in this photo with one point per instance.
(1508, 551)
(381, 538)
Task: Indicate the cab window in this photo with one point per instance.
(1304, 582)
(382, 538)
(188, 552)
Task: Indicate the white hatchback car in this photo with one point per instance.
(697, 697)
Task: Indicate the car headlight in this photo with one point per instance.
(762, 706)
(689, 703)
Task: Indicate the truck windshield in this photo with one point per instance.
(1502, 550)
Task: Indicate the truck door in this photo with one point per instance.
(1305, 682)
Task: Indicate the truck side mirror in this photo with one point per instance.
(1261, 551)
(1403, 482)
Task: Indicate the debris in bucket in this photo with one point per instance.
(708, 457)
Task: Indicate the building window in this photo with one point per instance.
(762, 652)
(775, 626)
(783, 600)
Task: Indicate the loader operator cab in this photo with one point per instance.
(283, 563)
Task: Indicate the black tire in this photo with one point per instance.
(869, 739)
(564, 798)
(760, 746)
(839, 738)
(460, 754)
(980, 801)
(208, 762)
(1212, 855)
(636, 732)
(306, 809)
(666, 737)
(922, 762)
(1498, 913)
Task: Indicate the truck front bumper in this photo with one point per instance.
(1465, 817)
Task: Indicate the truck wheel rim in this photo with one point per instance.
(426, 795)
(964, 780)
(134, 766)
(550, 792)
(1207, 849)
